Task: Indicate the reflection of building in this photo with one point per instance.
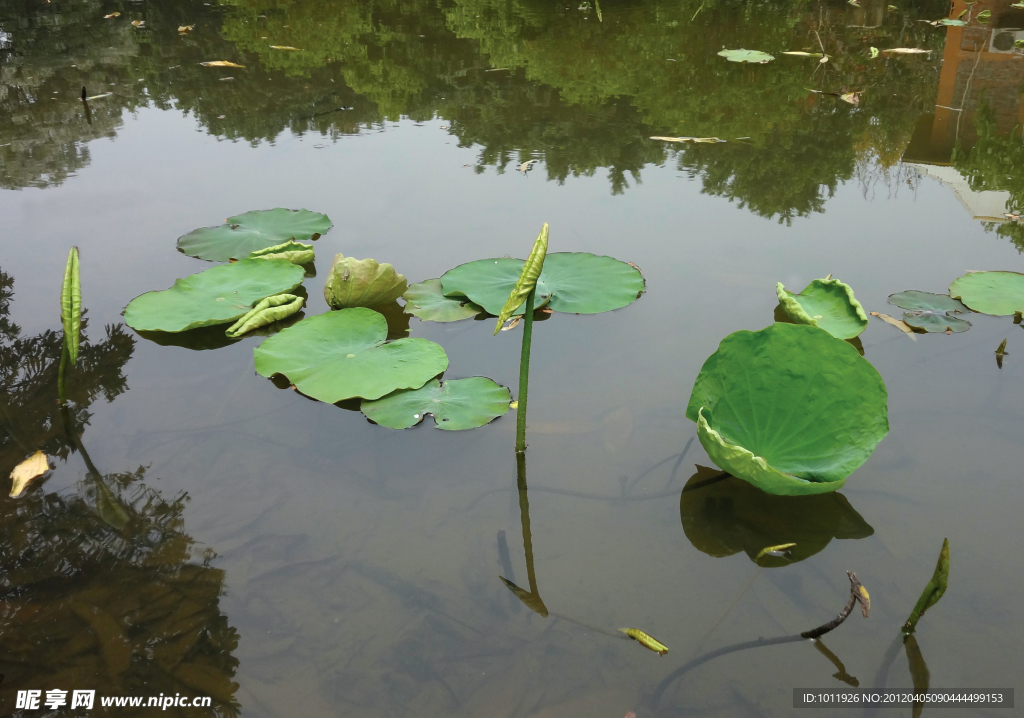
(980, 63)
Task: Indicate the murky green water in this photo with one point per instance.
(286, 557)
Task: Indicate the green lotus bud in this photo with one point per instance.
(362, 283)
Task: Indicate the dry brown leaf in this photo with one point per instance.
(802, 54)
(138, 23)
(906, 51)
(220, 63)
(185, 29)
(113, 14)
(28, 471)
(898, 323)
(285, 47)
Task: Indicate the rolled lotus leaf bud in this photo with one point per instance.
(362, 283)
(527, 278)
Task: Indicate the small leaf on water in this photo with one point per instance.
(874, 52)
(802, 54)
(185, 29)
(892, 7)
(906, 51)
(138, 23)
(100, 96)
(285, 47)
(752, 56)
(902, 326)
(513, 405)
(220, 63)
(28, 471)
(852, 97)
(704, 140)
(952, 23)
(646, 640)
(113, 14)
(984, 15)
(933, 591)
(526, 166)
(1000, 353)
(777, 551)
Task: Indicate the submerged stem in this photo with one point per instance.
(524, 375)
(61, 395)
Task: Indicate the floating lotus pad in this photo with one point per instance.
(722, 515)
(457, 404)
(426, 301)
(571, 282)
(217, 296)
(342, 355)
(998, 293)
(754, 56)
(246, 233)
(915, 300)
(931, 321)
(826, 303)
(362, 283)
(291, 251)
(789, 409)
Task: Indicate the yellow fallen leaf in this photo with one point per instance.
(113, 14)
(138, 23)
(185, 29)
(898, 323)
(773, 550)
(645, 640)
(802, 54)
(220, 63)
(28, 471)
(285, 47)
(906, 51)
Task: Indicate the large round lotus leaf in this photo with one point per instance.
(217, 296)
(457, 404)
(426, 301)
(915, 300)
(571, 282)
(790, 408)
(723, 515)
(755, 56)
(362, 283)
(931, 321)
(246, 233)
(825, 303)
(998, 293)
(342, 355)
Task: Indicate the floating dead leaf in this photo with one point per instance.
(898, 323)
(512, 324)
(285, 47)
(185, 29)
(99, 96)
(138, 23)
(1000, 353)
(526, 166)
(646, 640)
(28, 471)
(852, 97)
(855, 3)
(706, 140)
(797, 53)
(220, 63)
(874, 52)
(113, 14)
(778, 551)
(906, 51)
(513, 405)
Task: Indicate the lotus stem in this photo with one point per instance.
(61, 394)
(857, 593)
(524, 516)
(524, 376)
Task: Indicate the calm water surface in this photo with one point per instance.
(286, 557)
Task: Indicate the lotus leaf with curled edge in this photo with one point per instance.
(426, 301)
(343, 355)
(362, 283)
(219, 295)
(826, 303)
(292, 251)
(790, 409)
(571, 282)
(246, 233)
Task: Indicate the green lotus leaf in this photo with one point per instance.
(290, 251)
(722, 515)
(932, 321)
(267, 311)
(571, 282)
(755, 56)
(342, 355)
(826, 303)
(426, 301)
(915, 300)
(246, 233)
(457, 404)
(789, 408)
(217, 296)
(362, 283)
(998, 293)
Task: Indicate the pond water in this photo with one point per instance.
(287, 557)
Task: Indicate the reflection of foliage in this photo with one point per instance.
(29, 408)
(96, 587)
(994, 164)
